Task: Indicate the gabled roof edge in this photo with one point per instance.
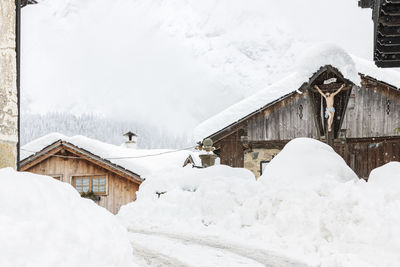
(86, 153)
(299, 90)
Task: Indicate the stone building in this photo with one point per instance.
(8, 84)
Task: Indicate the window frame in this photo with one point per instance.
(90, 177)
(261, 165)
(58, 177)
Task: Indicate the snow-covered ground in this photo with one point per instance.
(173, 249)
(309, 206)
(45, 223)
(308, 209)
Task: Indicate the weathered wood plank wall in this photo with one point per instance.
(374, 111)
(292, 117)
(232, 153)
(364, 156)
(120, 191)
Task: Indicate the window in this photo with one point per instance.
(82, 184)
(263, 164)
(57, 177)
(99, 185)
(95, 184)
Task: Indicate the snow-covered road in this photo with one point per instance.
(170, 249)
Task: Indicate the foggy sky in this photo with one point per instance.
(172, 63)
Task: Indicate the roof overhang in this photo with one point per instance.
(54, 148)
(234, 126)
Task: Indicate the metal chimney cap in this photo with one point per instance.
(130, 134)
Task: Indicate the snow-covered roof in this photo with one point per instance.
(139, 161)
(310, 62)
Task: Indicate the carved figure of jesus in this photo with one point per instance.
(330, 100)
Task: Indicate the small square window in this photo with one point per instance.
(99, 185)
(82, 184)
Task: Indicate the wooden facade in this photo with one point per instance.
(65, 162)
(363, 131)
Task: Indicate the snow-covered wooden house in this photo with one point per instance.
(366, 119)
(108, 174)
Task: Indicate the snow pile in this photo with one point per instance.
(309, 204)
(44, 222)
(387, 177)
(311, 161)
(143, 162)
(307, 64)
(388, 174)
(189, 195)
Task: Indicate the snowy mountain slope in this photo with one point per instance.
(81, 56)
(172, 63)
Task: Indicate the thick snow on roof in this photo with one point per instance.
(310, 62)
(143, 161)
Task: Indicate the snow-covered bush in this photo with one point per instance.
(309, 204)
(44, 222)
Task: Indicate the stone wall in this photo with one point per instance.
(253, 159)
(8, 86)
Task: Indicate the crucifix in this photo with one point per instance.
(330, 100)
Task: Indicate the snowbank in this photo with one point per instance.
(307, 64)
(388, 174)
(189, 194)
(44, 222)
(387, 178)
(308, 204)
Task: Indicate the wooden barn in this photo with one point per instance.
(364, 130)
(106, 173)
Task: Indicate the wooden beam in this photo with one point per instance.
(269, 144)
(347, 98)
(329, 88)
(42, 156)
(373, 139)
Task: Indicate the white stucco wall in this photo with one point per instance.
(8, 85)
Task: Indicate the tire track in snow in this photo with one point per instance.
(155, 258)
(264, 257)
(192, 254)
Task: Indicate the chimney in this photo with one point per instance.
(132, 140)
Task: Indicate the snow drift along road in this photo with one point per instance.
(45, 223)
(309, 205)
